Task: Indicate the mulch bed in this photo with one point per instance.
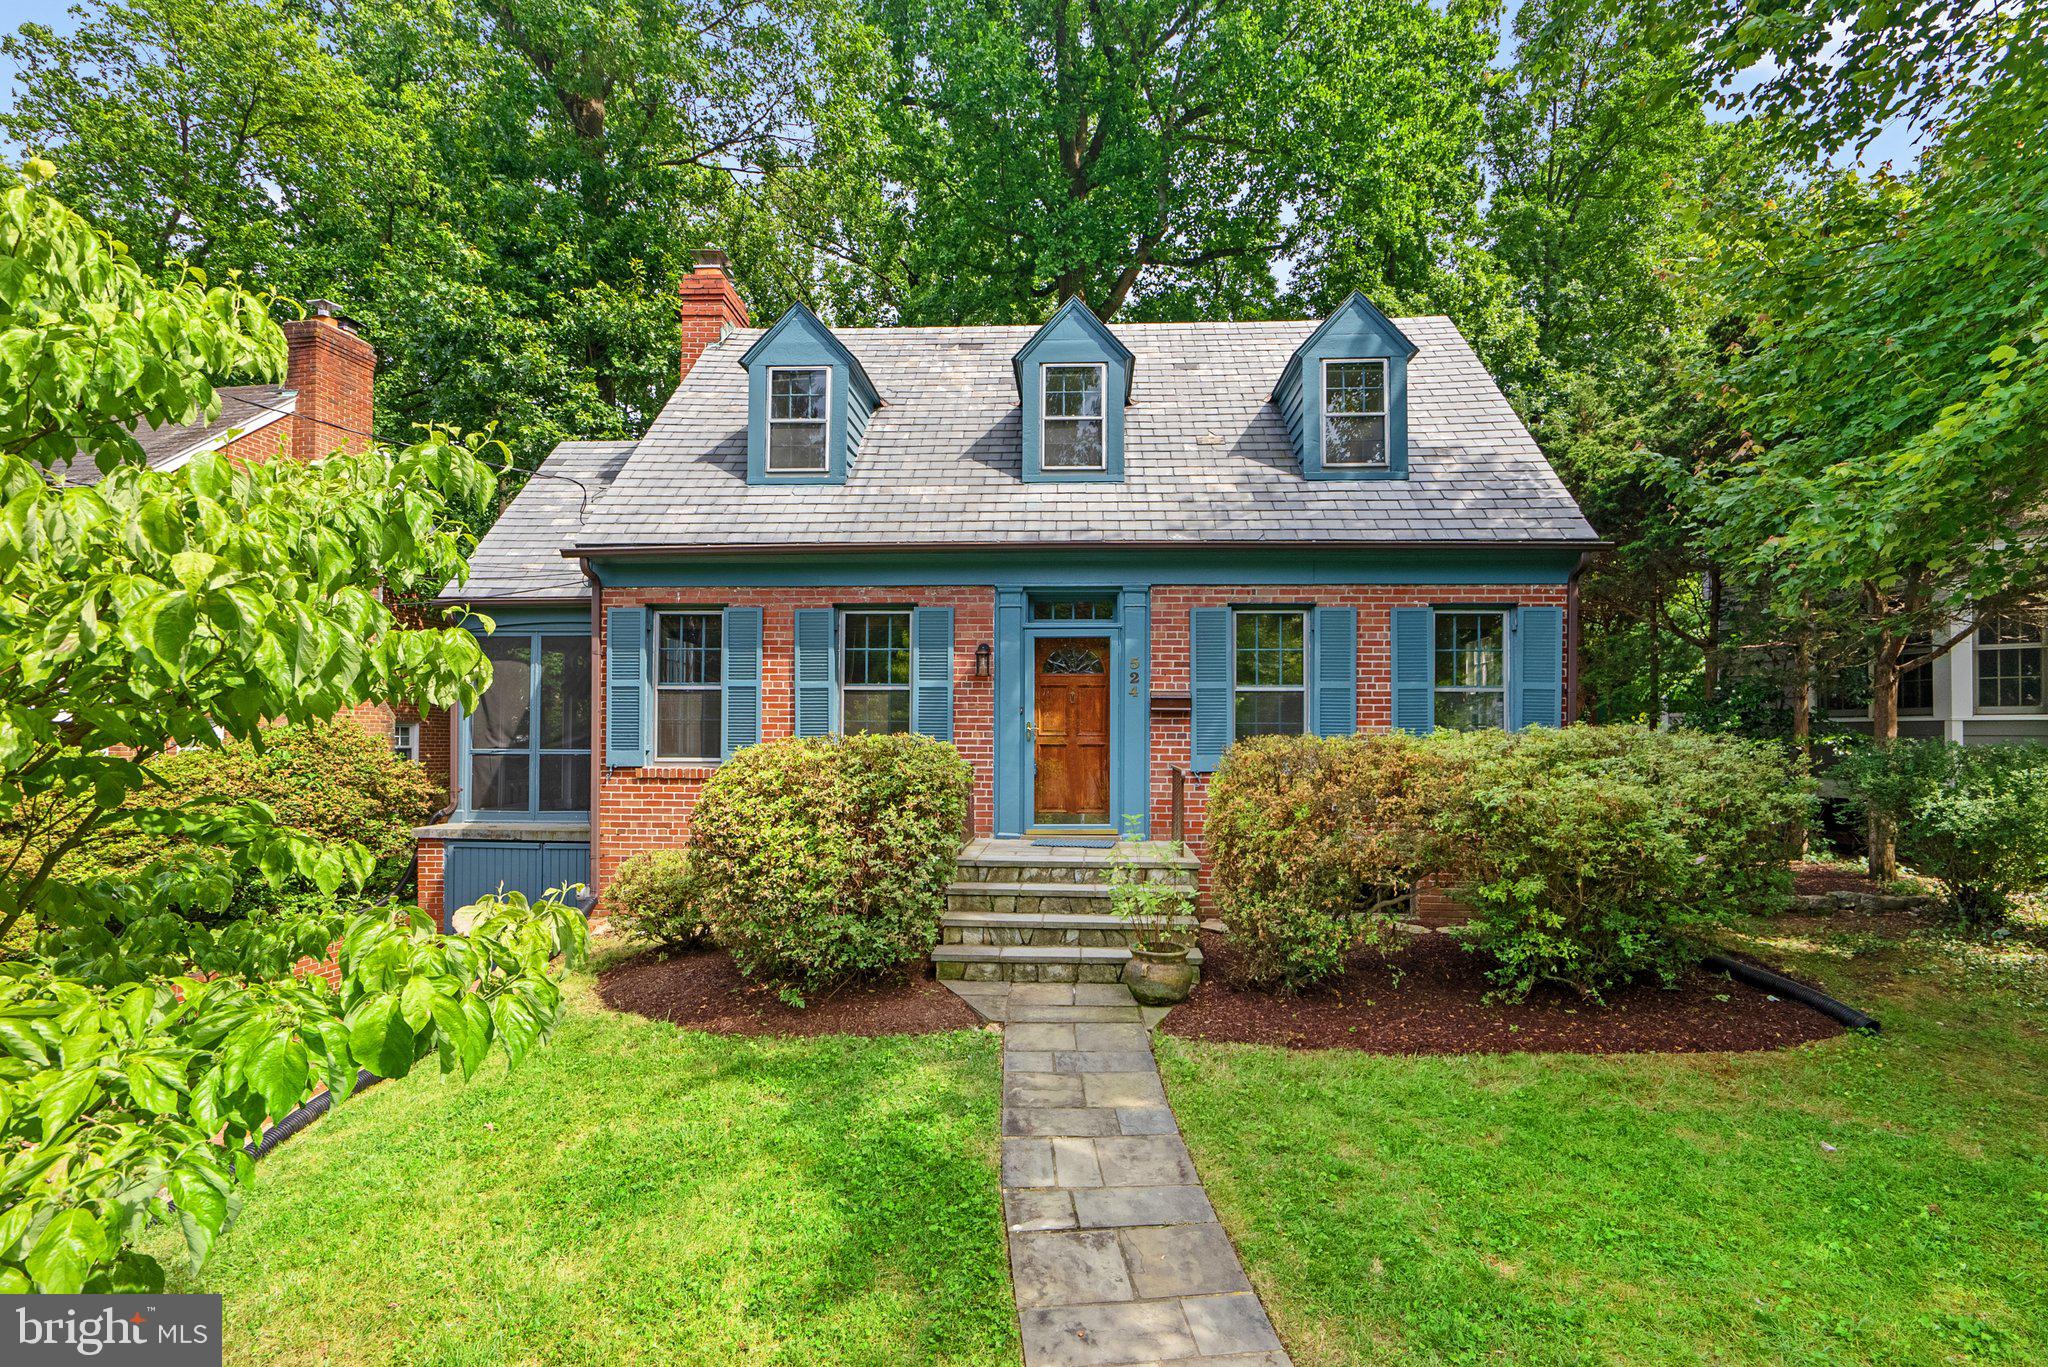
(1808, 879)
(701, 989)
(1426, 996)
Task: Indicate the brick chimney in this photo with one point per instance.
(331, 366)
(711, 307)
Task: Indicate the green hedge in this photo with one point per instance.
(1590, 856)
(1596, 855)
(331, 780)
(1972, 817)
(822, 860)
(1313, 846)
(654, 897)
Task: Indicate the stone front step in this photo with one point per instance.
(988, 860)
(1047, 899)
(1091, 930)
(1036, 963)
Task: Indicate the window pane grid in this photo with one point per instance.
(1355, 413)
(1071, 432)
(1270, 674)
(515, 766)
(1470, 670)
(1073, 610)
(874, 672)
(798, 402)
(689, 673)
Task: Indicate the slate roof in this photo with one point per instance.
(1206, 460)
(520, 556)
(242, 408)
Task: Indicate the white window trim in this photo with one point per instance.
(1979, 648)
(841, 688)
(654, 748)
(1507, 660)
(405, 739)
(1101, 370)
(1237, 614)
(1386, 461)
(768, 455)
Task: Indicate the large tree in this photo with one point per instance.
(1170, 158)
(143, 1036)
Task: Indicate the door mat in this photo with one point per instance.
(1079, 842)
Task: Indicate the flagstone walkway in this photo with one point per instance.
(1115, 1253)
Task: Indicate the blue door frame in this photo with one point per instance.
(1130, 697)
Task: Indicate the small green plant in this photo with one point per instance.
(1160, 912)
(653, 897)
(1973, 818)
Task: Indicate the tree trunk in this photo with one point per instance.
(1884, 731)
(1710, 664)
(1656, 668)
(1802, 715)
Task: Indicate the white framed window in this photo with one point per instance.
(1071, 433)
(874, 671)
(799, 436)
(1355, 414)
(1269, 678)
(405, 740)
(689, 687)
(1471, 670)
(2009, 664)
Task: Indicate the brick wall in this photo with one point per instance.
(432, 883)
(1171, 605)
(333, 369)
(708, 306)
(649, 808)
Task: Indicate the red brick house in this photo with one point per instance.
(1089, 556)
(325, 404)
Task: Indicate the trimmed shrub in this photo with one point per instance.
(822, 860)
(1973, 818)
(653, 897)
(331, 780)
(1314, 844)
(1595, 855)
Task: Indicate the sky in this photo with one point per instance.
(1895, 143)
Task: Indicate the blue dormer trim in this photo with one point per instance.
(1357, 331)
(1073, 336)
(800, 341)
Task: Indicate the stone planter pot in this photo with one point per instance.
(1159, 974)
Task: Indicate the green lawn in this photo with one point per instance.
(638, 1193)
(1878, 1200)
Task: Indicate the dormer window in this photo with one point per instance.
(1344, 395)
(808, 403)
(799, 405)
(1355, 414)
(1073, 417)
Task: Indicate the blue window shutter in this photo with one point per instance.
(1336, 632)
(1209, 675)
(1539, 667)
(813, 671)
(625, 687)
(1413, 668)
(742, 678)
(931, 672)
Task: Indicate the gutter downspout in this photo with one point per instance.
(1571, 638)
(597, 717)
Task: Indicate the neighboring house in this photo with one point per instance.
(1089, 556)
(1987, 690)
(324, 405)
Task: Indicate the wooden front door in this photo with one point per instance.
(1071, 729)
